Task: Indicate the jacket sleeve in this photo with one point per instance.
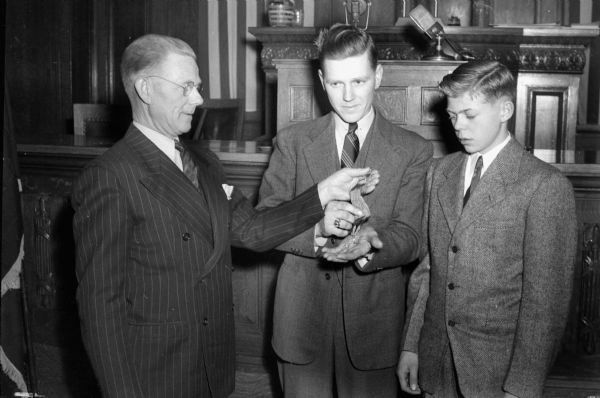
(279, 185)
(261, 229)
(548, 264)
(101, 227)
(264, 229)
(418, 284)
(401, 234)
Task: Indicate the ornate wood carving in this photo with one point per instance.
(551, 59)
(545, 50)
(392, 102)
(589, 291)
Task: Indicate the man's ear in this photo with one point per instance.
(321, 78)
(507, 108)
(143, 89)
(378, 75)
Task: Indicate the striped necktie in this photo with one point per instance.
(351, 146)
(474, 180)
(189, 166)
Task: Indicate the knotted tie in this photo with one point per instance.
(351, 146)
(189, 166)
(474, 179)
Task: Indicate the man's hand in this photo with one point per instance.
(354, 246)
(338, 220)
(338, 185)
(407, 372)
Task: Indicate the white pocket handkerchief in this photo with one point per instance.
(228, 190)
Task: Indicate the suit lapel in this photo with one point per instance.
(168, 184)
(376, 151)
(450, 192)
(322, 157)
(218, 208)
(492, 186)
(321, 153)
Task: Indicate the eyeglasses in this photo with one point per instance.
(188, 87)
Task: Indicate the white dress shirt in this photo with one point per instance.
(164, 143)
(341, 129)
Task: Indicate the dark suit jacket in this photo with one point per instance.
(495, 283)
(373, 297)
(154, 268)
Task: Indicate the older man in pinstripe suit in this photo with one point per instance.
(153, 227)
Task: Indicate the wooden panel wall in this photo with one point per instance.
(546, 114)
(408, 97)
(70, 52)
(38, 63)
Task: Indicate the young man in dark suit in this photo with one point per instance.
(488, 303)
(336, 322)
(153, 228)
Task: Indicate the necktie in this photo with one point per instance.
(189, 166)
(350, 150)
(474, 179)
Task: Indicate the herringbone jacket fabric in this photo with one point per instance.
(495, 281)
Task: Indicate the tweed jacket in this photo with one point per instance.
(154, 268)
(374, 296)
(495, 281)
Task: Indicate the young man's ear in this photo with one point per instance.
(321, 78)
(142, 88)
(507, 108)
(378, 75)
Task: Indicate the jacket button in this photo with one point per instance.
(205, 322)
(451, 286)
(186, 236)
(451, 323)
(454, 249)
(327, 276)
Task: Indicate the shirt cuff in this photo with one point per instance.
(319, 241)
(362, 262)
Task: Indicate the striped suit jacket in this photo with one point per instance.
(154, 268)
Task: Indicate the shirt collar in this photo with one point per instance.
(341, 128)
(490, 155)
(164, 143)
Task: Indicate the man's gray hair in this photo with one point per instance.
(145, 53)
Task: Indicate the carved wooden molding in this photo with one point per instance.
(523, 49)
(552, 59)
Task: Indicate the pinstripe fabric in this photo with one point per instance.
(154, 290)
